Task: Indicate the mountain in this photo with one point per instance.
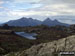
(33, 22)
(50, 48)
(24, 22)
(47, 22)
(55, 22)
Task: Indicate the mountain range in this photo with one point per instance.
(34, 22)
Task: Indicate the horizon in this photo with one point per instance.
(62, 10)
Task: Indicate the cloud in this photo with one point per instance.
(37, 8)
(1, 2)
(25, 1)
(57, 9)
(1, 7)
(29, 13)
(57, 1)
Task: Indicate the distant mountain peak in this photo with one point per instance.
(30, 18)
(48, 19)
(23, 18)
(50, 22)
(55, 20)
(24, 22)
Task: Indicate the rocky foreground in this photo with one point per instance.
(48, 49)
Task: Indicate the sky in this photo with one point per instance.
(62, 10)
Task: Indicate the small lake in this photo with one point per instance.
(27, 35)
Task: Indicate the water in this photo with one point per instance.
(27, 35)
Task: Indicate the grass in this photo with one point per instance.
(13, 43)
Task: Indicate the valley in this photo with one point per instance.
(11, 42)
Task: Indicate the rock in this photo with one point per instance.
(50, 48)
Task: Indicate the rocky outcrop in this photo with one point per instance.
(50, 48)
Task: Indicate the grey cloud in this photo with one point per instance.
(57, 1)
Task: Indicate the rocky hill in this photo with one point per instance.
(50, 48)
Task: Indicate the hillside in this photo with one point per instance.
(10, 42)
(50, 48)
